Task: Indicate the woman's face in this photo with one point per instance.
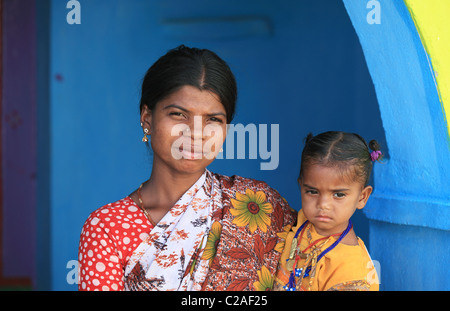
(329, 200)
(187, 130)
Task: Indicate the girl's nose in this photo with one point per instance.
(323, 203)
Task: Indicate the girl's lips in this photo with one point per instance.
(323, 218)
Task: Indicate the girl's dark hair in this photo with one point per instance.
(347, 151)
(183, 66)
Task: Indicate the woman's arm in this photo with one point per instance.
(99, 261)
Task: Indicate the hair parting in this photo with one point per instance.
(183, 66)
(348, 152)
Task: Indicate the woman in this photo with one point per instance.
(186, 228)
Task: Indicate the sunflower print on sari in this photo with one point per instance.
(265, 280)
(251, 209)
(211, 244)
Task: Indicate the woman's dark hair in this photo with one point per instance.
(347, 151)
(200, 68)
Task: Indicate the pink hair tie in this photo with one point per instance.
(375, 155)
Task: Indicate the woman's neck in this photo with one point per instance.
(165, 187)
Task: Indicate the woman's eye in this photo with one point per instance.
(214, 119)
(177, 114)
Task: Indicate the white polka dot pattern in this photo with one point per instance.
(109, 237)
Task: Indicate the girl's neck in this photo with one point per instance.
(349, 239)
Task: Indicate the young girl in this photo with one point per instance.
(322, 251)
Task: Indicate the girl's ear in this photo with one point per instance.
(364, 196)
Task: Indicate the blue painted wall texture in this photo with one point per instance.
(306, 66)
(299, 64)
(410, 210)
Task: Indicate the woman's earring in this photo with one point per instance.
(145, 138)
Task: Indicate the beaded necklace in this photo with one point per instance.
(311, 259)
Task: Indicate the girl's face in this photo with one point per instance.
(187, 130)
(329, 200)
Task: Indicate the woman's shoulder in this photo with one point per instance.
(117, 207)
(121, 213)
(241, 183)
(120, 226)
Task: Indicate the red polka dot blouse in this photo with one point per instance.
(109, 237)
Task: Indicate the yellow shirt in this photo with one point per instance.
(345, 267)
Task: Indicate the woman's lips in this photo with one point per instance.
(193, 153)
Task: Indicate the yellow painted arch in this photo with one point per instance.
(432, 21)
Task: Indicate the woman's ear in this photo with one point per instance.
(146, 120)
(364, 196)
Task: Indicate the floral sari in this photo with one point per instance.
(222, 234)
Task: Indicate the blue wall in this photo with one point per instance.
(298, 64)
(410, 207)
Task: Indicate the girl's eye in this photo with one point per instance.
(311, 191)
(339, 195)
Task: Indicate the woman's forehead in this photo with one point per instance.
(191, 99)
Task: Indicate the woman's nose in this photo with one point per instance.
(196, 128)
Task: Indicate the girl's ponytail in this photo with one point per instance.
(376, 154)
